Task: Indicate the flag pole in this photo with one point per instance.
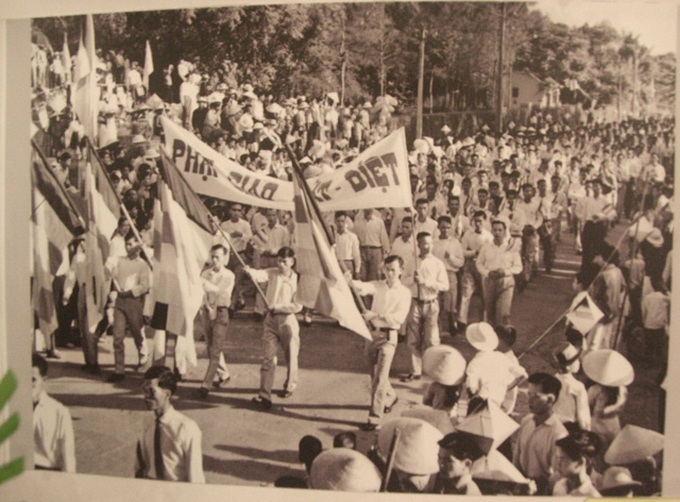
(315, 206)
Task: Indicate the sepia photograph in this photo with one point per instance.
(405, 247)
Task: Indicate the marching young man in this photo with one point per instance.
(280, 325)
(391, 303)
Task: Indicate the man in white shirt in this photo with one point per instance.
(240, 233)
(449, 250)
(171, 448)
(597, 212)
(472, 242)
(132, 280)
(498, 263)
(404, 245)
(423, 222)
(218, 284)
(270, 240)
(373, 243)
(654, 172)
(280, 325)
(391, 302)
(426, 278)
(459, 222)
(53, 440)
(347, 245)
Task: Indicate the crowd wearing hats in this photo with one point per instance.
(488, 211)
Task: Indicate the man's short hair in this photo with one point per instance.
(462, 445)
(422, 235)
(444, 218)
(219, 246)
(482, 190)
(494, 184)
(454, 197)
(421, 201)
(285, 252)
(407, 219)
(392, 258)
(39, 362)
(338, 214)
(130, 235)
(548, 383)
(166, 377)
(309, 448)
(479, 214)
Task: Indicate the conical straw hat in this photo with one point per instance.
(438, 418)
(344, 469)
(633, 444)
(609, 368)
(444, 364)
(417, 449)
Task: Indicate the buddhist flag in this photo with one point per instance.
(181, 247)
(101, 222)
(148, 66)
(321, 286)
(584, 313)
(54, 223)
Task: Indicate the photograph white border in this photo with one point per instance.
(15, 315)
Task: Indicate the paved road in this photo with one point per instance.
(244, 446)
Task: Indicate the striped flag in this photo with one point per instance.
(181, 247)
(54, 223)
(102, 224)
(321, 286)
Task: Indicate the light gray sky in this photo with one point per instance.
(655, 21)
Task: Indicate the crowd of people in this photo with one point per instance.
(488, 212)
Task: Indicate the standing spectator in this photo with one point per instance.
(347, 245)
(572, 403)
(535, 447)
(655, 317)
(240, 234)
(373, 242)
(449, 250)
(53, 441)
(427, 278)
(473, 241)
(171, 449)
(498, 263)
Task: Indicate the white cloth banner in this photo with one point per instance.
(378, 177)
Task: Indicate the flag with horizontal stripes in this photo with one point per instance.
(321, 285)
(181, 248)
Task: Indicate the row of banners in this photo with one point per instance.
(379, 176)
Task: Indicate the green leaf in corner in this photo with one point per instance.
(7, 387)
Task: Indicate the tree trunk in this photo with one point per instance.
(499, 72)
(431, 95)
(382, 50)
(635, 83)
(343, 67)
(421, 78)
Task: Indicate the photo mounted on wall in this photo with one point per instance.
(402, 247)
